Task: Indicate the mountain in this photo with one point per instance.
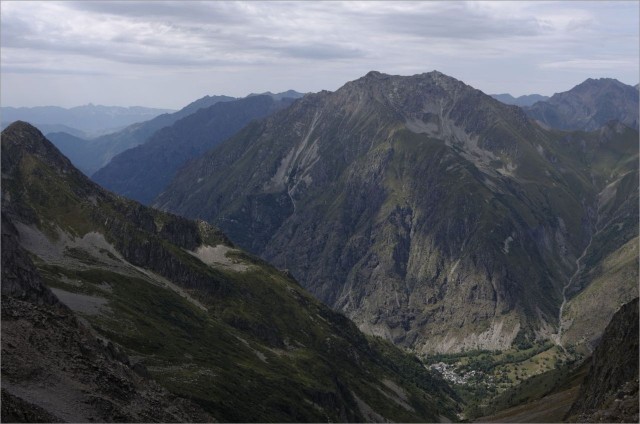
(142, 172)
(526, 100)
(289, 94)
(173, 302)
(167, 119)
(97, 152)
(588, 106)
(75, 148)
(428, 212)
(57, 128)
(609, 392)
(89, 118)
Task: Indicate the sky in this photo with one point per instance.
(167, 54)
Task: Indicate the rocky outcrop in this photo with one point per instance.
(19, 278)
(609, 392)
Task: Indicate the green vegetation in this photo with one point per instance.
(490, 381)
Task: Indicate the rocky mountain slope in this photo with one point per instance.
(588, 106)
(428, 212)
(142, 172)
(55, 369)
(609, 392)
(174, 302)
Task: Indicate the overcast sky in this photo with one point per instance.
(167, 54)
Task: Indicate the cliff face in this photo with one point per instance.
(428, 212)
(609, 392)
(140, 296)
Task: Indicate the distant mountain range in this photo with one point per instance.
(98, 151)
(526, 100)
(289, 94)
(142, 172)
(428, 212)
(82, 121)
(112, 311)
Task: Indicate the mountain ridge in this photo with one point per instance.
(95, 153)
(524, 100)
(91, 119)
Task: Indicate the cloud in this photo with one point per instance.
(324, 43)
(591, 64)
(453, 21)
(10, 69)
(171, 34)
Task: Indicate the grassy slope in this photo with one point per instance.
(613, 282)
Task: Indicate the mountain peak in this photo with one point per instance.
(410, 85)
(21, 139)
(21, 126)
(375, 74)
(25, 136)
(597, 82)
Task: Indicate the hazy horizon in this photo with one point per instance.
(168, 54)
